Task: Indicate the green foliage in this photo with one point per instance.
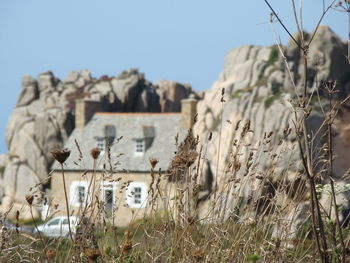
(253, 258)
(273, 57)
(237, 94)
(271, 99)
(30, 222)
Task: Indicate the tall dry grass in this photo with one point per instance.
(183, 225)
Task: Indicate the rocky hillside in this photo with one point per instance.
(44, 118)
(253, 141)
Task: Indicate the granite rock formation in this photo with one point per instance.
(249, 113)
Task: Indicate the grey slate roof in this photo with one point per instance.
(163, 127)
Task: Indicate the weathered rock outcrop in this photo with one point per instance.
(253, 146)
(44, 118)
(170, 94)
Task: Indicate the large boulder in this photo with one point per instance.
(29, 92)
(250, 115)
(3, 162)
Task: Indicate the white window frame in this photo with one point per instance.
(74, 195)
(130, 195)
(139, 146)
(105, 185)
(101, 144)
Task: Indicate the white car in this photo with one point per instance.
(58, 226)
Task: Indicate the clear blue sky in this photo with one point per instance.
(182, 40)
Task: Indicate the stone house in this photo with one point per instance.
(123, 173)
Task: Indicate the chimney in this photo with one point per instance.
(188, 111)
(84, 110)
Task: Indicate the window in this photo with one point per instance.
(139, 146)
(54, 222)
(136, 195)
(81, 194)
(110, 133)
(100, 143)
(65, 221)
(78, 193)
(148, 136)
(108, 192)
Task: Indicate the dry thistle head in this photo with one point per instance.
(29, 199)
(60, 155)
(95, 152)
(153, 162)
(185, 156)
(92, 254)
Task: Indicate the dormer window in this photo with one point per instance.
(101, 143)
(110, 133)
(143, 139)
(140, 146)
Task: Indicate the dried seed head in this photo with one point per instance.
(185, 156)
(210, 136)
(95, 152)
(153, 162)
(17, 215)
(60, 155)
(29, 199)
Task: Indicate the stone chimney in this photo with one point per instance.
(84, 110)
(188, 112)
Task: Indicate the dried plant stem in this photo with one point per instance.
(93, 182)
(297, 22)
(281, 23)
(302, 132)
(330, 158)
(309, 167)
(325, 256)
(36, 226)
(313, 215)
(320, 20)
(66, 199)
